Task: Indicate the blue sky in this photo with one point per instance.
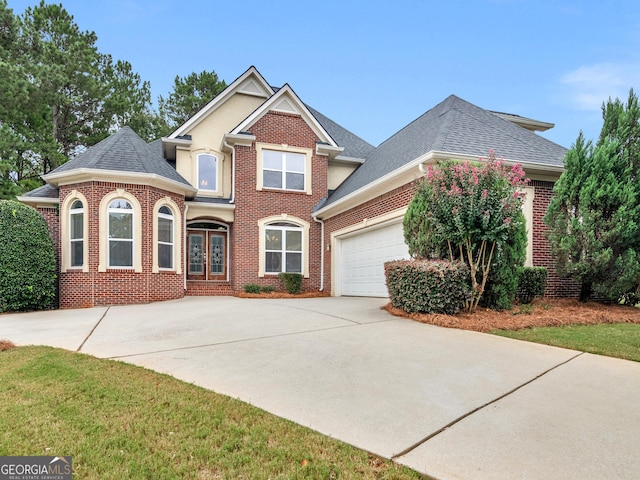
(374, 66)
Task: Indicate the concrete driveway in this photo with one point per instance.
(452, 404)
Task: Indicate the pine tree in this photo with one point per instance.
(594, 217)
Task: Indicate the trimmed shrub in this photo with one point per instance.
(267, 288)
(292, 282)
(533, 282)
(27, 259)
(428, 286)
(252, 288)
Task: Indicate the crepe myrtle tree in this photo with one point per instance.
(466, 210)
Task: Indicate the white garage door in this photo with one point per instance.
(362, 256)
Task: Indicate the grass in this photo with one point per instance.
(620, 340)
(121, 421)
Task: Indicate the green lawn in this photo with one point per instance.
(620, 340)
(120, 421)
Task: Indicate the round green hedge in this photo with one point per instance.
(27, 259)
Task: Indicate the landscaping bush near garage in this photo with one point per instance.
(532, 284)
(292, 282)
(428, 286)
(27, 259)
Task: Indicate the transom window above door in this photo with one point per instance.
(283, 170)
(207, 172)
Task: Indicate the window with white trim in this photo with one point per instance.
(207, 172)
(120, 227)
(76, 234)
(283, 248)
(283, 170)
(165, 238)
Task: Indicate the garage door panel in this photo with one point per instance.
(362, 258)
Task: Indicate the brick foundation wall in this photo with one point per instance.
(252, 205)
(120, 286)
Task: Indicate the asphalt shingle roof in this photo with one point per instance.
(45, 191)
(354, 146)
(453, 126)
(124, 151)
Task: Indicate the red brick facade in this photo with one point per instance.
(116, 286)
(252, 205)
(556, 286)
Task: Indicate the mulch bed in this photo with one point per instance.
(281, 295)
(545, 312)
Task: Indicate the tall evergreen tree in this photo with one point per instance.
(189, 95)
(594, 217)
(58, 94)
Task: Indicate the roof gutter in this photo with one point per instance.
(403, 175)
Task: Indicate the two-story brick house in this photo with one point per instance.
(258, 183)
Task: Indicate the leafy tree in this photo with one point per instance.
(594, 217)
(466, 211)
(189, 95)
(27, 261)
(58, 93)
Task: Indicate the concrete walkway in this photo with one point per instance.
(449, 403)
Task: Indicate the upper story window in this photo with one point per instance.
(283, 170)
(120, 246)
(165, 238)
(207, 172)
(76, 234)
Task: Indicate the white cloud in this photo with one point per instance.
(590, 85)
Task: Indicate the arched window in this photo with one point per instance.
(207, 172)
(120, 224)
(283, 248)
(76, 234)
(165, 238)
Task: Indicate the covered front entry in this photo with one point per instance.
(207, 247)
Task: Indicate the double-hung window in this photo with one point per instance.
(120, 248)
(283, 170)
(165, 238)
(76, 234)
(283, 248)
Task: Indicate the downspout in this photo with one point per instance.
(233, 170)
(184, 247)
(421, 168)
(315, 219)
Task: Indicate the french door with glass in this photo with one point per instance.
(207, 255)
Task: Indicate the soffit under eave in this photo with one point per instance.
(93, 175)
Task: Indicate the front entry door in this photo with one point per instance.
(207, 255)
